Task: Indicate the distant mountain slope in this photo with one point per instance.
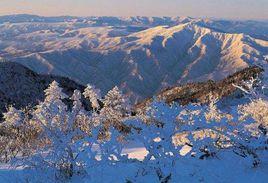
(22, 87)
(199, 92)
(141, 55)
(96, 21)
(256, 29)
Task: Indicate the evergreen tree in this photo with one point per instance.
(59, 131)
(115, 109)
(12, 128)
(12, 118)
(93, 95)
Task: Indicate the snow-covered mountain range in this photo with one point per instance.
(141, 55)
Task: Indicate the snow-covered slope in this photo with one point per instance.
(200, 92)
(139, 54)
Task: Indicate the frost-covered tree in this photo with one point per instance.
(249, 88)
(61, 133)
(72, 141)
(256, 87)
(115, 109)
(52, 112)
(79, 116)
(258, 110)
(13, 120)
(252, 138)
(93, 95)
(212, 112)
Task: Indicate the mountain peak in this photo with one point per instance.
(141, 55)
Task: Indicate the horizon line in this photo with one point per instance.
(162, 16)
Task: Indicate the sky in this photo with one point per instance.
(230, 9)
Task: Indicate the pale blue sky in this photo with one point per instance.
(234, 9)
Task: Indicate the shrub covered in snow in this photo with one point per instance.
(70, 141)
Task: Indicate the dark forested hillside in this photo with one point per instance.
(21, 87)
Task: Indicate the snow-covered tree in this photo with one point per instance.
(252, 137)
(258, 110)
(52, 112)
(256, 87)
(93, 95)
(115, 110)
(61, 133)
(12, 118)
(79, 116)
(212, 110)
(11, 126)
(249, 88)
(72, 141)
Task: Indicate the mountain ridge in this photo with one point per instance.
(141, 58)
(200, 92)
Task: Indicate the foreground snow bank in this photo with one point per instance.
(226, 168)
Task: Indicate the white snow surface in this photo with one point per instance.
(226, 168)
